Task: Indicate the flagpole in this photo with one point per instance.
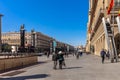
(115, 52)
(113, 25)
(113, 15)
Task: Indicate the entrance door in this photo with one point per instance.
(117, 42)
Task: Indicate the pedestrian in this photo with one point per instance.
(103, 53)
(73, 53)
(61, 59)
(48, 54)
(77, 55)
(63, 63)
(108, 55)
(55, 59)
(66, 54)
(81, 53)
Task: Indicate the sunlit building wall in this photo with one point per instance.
(95, 31)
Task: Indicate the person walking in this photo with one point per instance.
(48, 54)
(77, 55)
(55, 59)
(108, 55)
(81, 52)
(103, 53)
(61, 59)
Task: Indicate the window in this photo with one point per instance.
(117, 2)
(113, 18)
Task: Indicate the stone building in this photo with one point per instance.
(11, 38)
(42, 42)
(96, 40)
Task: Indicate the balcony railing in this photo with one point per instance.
(92, 11)
(98, 19)
(97, 23)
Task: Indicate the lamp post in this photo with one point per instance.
(0, 32)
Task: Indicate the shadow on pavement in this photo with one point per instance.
(27, 77)
(72, 67)
(21, 67)
(41, 62)
(13, 73)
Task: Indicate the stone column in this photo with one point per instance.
(33, 37)
(0, 32)
(22, 38)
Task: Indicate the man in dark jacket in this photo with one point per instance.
(103, 53)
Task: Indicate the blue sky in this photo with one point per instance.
(64, 20)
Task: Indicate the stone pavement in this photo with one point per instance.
(87, 67)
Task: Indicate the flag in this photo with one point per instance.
(110, 6)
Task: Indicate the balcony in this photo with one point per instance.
(116, 7)
(98, 22)
(92, 11)
(99, 19)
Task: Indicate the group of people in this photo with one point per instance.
(104, 54)
(58, 57)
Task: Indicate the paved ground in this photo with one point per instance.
(87, 67)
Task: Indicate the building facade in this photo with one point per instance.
(96, 40)
(11, 38)
(40, 41)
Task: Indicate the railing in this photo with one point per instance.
(15, 55)
(97, 23)
(93, 9)
(98, 19)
